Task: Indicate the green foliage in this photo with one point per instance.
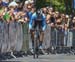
(58, 5)
(40, 3)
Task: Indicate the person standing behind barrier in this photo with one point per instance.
(66, 28)
(59, 31)
(28, 8)
(10, 23)
(73, 22)
(25, 6)
(49, 15)
(67, 20)
(3, 6)
(30, 11)
(1, 9)
(73, 32)
(1, 27)
(44, 10)
(9, 19)
(50, 19)
(53, 32)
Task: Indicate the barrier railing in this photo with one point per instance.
(58, 39)
(15, 37)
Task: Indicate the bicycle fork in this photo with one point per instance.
(36, 44)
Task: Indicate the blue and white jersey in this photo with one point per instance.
(34, 17)
(29, 14)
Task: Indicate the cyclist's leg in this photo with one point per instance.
(32, 34)
(32, 38)
(42, 51)
(41, 38)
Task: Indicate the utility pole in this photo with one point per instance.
(54, 5)
(73, 7)
(66, 6)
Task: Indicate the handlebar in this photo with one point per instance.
(36, 29)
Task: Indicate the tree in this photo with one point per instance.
(40, 3)
(68, 5)
(58, 5)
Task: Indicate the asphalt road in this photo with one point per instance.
(46, 58)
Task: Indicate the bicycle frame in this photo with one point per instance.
(36, 41)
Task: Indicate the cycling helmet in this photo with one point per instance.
(39, 12)
(39, 15)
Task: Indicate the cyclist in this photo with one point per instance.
(37, 16)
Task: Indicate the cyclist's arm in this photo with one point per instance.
(44, 22)
(31, 21)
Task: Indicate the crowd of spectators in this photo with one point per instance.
(15, 11)
(19, 12)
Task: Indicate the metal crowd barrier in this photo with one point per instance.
(59, 39)
(3, 42)
(15, 37)
(25, 45)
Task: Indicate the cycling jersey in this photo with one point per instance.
(33, 19)
(29, 14)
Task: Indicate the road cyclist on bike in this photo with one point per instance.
(38, 18)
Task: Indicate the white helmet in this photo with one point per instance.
(26, 2)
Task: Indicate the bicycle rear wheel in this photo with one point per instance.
(36, 47)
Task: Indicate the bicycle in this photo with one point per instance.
(36, 41)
